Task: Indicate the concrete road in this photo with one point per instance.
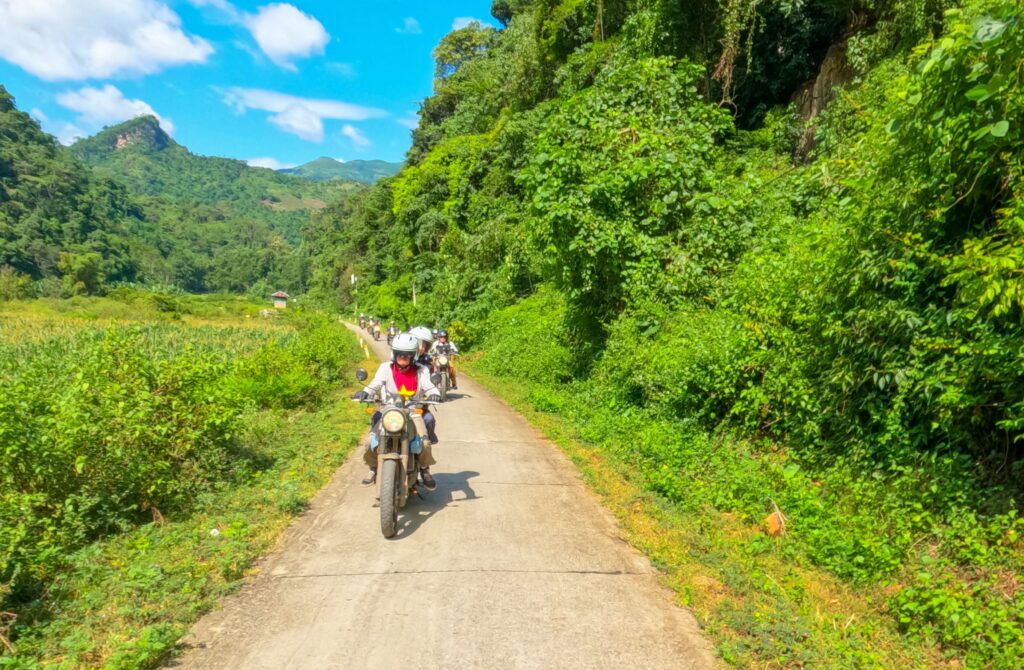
(511, 563)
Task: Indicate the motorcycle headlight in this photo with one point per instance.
(393, 421)
(442, 360)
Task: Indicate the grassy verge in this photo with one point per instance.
(762, 607)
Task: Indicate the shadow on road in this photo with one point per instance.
(449, 484)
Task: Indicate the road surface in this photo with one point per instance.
(511, 563)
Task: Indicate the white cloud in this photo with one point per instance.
(354, 134)
(107, 105)
(284, 32)
(463, 21)
(299, 116)
(68, 133)
(340, 160)
(409, 27)
(222, 5)
(301, 121)
(410, 121)
(71, 39)
(270, 163)
(341, 69)
(39, 115)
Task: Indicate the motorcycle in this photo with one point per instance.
(376, 332)
(392, 331)
(442, 372)
(397, 447)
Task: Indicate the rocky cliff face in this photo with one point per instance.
(815, 95)
(145, 130)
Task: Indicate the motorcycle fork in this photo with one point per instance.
(402, 456)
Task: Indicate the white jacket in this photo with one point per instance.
(384, 379)
(449, 343)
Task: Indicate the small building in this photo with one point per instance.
(280, 300)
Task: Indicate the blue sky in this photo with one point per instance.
(284, 82)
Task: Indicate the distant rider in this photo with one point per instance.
(446, 348)
(403, 376)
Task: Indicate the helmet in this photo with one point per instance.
(404, 343)
(422, 334)
(442, 333)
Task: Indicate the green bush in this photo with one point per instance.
(104, 429)
(529, 340)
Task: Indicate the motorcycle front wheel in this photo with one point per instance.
(390, 488)
(444, 387)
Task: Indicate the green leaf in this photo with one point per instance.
(978, 93)
(999, 129)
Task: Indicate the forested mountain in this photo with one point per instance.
(130, 204)
(324, 168)
(763, 251)
(56, 218)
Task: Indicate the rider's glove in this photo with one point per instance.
(434, 398)
(360, 395)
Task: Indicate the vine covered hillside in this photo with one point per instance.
(771, 255)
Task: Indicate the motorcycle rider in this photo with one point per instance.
(426, 338)
(423, 358)
(405, 377)
(443, 346)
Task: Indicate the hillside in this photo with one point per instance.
(59, 224)
(139, 154)
(132, 205)
(762, 261)
(324, 168)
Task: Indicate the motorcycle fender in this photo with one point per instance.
(392, 456)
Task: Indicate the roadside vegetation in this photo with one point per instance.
(148, 458)
(794, 331)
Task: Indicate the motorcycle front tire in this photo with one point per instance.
(390, 487)
(444, 386)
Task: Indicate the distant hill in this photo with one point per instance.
(139, 154)
(211, 223)
(324, 169)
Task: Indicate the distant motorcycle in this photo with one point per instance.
(397, 447)
(442, 361)
(376, 332)
(392, 331)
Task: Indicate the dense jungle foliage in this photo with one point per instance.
(630, 207)
(130, 205)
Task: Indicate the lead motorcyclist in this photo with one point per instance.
(405, 377)
(446, 348)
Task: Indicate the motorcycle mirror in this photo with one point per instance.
(361, 375)
(436, 378)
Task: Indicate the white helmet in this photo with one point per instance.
(404, 343)
(422, 333)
